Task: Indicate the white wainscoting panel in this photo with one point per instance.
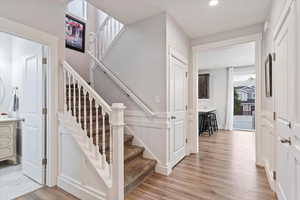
(152, 133)
(268, 147)
(77, 176)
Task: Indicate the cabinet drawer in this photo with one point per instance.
(6, 131)
(5, 142)
(6, 152)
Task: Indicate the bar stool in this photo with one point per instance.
(208, 124)
(201, 118)
(214, 121)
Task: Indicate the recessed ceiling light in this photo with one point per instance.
(213, 3)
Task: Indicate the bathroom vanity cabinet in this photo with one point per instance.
(8, 143)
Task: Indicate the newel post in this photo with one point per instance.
(117, 123)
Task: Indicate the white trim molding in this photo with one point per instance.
(270, 178)
(139, 119)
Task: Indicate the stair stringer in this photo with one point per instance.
(80, 170)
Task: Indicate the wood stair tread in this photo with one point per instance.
(132, 151)
(136, 170)
(127, 141)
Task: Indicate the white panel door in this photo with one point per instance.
(178, 103)
(285, 106)
(32, 103)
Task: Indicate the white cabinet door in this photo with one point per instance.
(32, 103)
(178, 103)
(285, 101)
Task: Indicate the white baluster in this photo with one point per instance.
(97, 130)
(85, 116)
(65, 91)
(113, 30)
(79, 105)
(102, 43)
(69, 79)
(119, 26)
(107, 33)
(110, 31)
(115, 27)
(91, 124)
(74, 98)
(106, 37)
(97, 46)
(110, 150)
(103, 140)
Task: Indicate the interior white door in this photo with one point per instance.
(178, 108)
(32, 103)
(285, 105)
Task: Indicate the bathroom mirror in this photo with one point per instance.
(2, 90)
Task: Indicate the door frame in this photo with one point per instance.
(193, 89)
(52, 71)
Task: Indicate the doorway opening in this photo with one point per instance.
(23, 66)
(244, 83)
(222, 71)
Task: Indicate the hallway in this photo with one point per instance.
(224, 169)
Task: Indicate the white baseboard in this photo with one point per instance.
(164, 170)
(271, 181)
(78, 190)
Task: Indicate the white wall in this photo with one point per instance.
(138, 59)
(236, 55)
(218, 94)
(5, 71)
(177, 38)
(46, 15)
(78, 60)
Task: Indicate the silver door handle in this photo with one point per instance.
(173, 117)
(284, 141)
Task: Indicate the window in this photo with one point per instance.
(78, 8)
(203, 86)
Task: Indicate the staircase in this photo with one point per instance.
(95, 119)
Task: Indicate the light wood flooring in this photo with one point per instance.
(224, 169)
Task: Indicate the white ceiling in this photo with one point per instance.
(195, 16)
(233, 56)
